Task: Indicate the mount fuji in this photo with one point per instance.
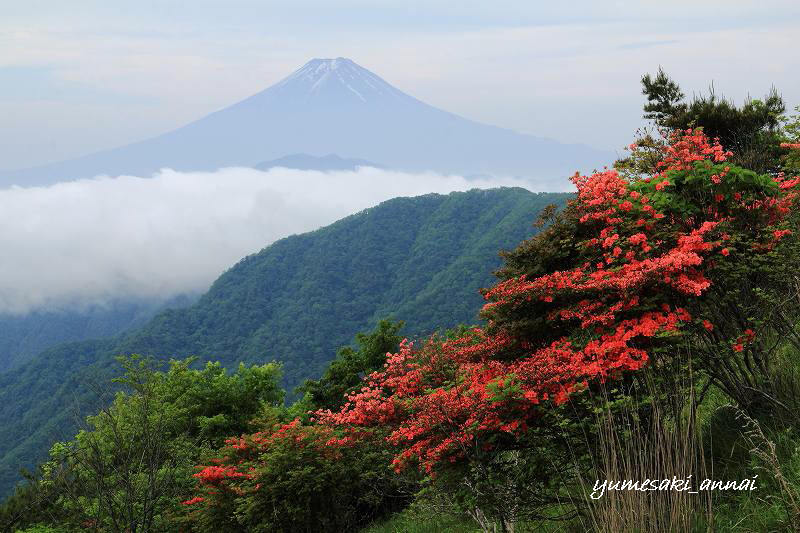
(334, 106)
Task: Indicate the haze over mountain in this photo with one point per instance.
(334, 106)
(24, 336)
(325, 163)
(98, 241)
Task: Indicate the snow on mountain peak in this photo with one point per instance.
(325, 74)
(324, 65)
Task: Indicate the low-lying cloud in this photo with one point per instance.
(92, 241)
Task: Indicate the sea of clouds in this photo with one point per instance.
(96, 240)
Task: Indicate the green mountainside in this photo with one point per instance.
(419, 259)
(24, 336)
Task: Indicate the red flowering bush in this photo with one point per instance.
(697, 255)
(693, 254)
(291, 477)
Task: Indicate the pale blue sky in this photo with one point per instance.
(76, 77)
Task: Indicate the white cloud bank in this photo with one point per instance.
(91, 241)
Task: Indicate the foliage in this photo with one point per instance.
(635, 270)
(791, 162)
(22, 337)
(713, 225)
(288, 477)
(664, 98)
(419, 522)
(127, 469)
(752, 132)
(350, 365)
(296, 301)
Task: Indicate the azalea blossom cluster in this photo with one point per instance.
(689, 146)
(236, 473)
(649, 249)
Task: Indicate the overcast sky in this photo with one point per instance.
(76, 77)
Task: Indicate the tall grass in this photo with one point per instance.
(654, 439)
(673, 435)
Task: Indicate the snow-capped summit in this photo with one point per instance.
(334, 106)
(322, 77)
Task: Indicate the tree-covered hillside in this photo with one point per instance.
(24, 336)
(418, 259)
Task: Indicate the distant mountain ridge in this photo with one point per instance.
(418, 259)
(325, 163)
(334, 106)
(24, 336)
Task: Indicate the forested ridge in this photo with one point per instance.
(23, 336)
(421, 259)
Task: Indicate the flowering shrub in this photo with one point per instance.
(632, 267)
(698, 254)
(291, 477)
